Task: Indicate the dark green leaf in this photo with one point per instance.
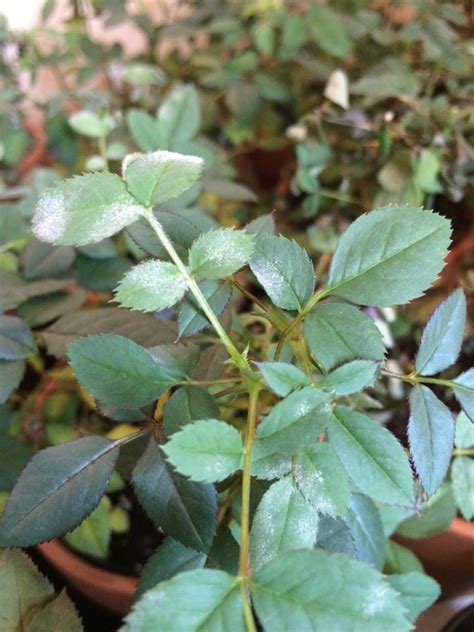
(367, 531)
(16, 339)
(186, 405)
(15, 456)
(11, 372)
(191, 319)
(42, 260)
(101, 274)
(40, 310)
(335, 536)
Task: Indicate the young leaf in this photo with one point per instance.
(92, 536)
(442, 336)
(185, 510)
(219, 253)
(417, 592)
(366, 528)
(160, 176)
(284, 270)
(464, 435)
(463, 387)
(191, 319)
(84, 210)
(351, 377)
(321, 479)
(151, 286)
(304, 590)
(117, 371)
(169, 559)
(284, 520)
(179, 116)
(389, 256)
(44, 503)
(196, 601)
(207, 451)
(431, 437)
(186, 405)
(16, 339)
(282, 378)
(58, 615)
(372, 457)
(338, 333)
(462, 477)
(89, 124)
(11, 372)
(144, 130)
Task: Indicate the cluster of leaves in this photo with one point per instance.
(285, 514)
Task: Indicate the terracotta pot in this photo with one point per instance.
(448, 556)
(110, 590)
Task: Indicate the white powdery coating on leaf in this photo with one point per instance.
(49, 221)
(224, 249)
(376, 600)
(157, 158)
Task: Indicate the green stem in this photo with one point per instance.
(103, 151)
(414, 379)
(239, 360)
(248, 614)
(225, 380)
(463, 452)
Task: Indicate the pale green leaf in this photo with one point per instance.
(436, 515)
(351, 377)
(372, 457)
(186, 405)
(92, 536)
(462, 477)
(417, 592)
(84, 210)
(389, 256)
(366, 529)
(442, 336)
(329, 31)
(463, 387)
(431, 437)
(464, 435)
(144, 130)
(427, 170)
(282, 377)
(89, 124)
(399, 559)
(221, 252)
(179, 116)
(284, 270)
(208, 450)
(59, 615)
(374, 85)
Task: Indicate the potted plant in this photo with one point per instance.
(274, 490)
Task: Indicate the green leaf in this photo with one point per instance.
(40, 310)
(179, 116)
(160, 176)
(321, 479)
(417, 592)
(89, 124)
(117, 371)
(11, 373)
(463, 387)
(282, 378)
(101, 275)
(93, 535)
(184, 509)
(462, 477)
(389, 256)
(399, 559)
(284, 520)
(191, 319)
(431, 437)
(196, 601)
(442, 336)
(338, 333)
(284, 270)
(15, 456)
(57, 616)
(151, 286)
(16, 339)
(427, 170)
(221, 252)
(186, 405)
(178, 361)
(464, 436)
(207, 451)
(329, 31)
(351, 377)
(436, 515)
(41, 260)
(144, 130)
(366, 529)
(84, 210)
(373, 83)
(335, 536)
(169, 559)
(305, 590)
(44, 503)
(292, 424)
(372, 457)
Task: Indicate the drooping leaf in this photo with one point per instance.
(160, 176)
(431, 437)
(284, 520)
(221, 252)
(351, 377)
(92, 536)
(58, 615)
(184, 509)
(84, 210)
(186, 405)
(462, 477)
(463, 387)
(338, 333)
(304, 590)
(59, 487)
(372, 457)
(207, 451)
(282, 377)
(442, 336)
(196, 601)
(191, 318)
(366, 529)
(389, 256)
(321, 479)
(117, 371)
(11, 372)
(417, 592)
(284, 270)
(151, 286)
(169, 559)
